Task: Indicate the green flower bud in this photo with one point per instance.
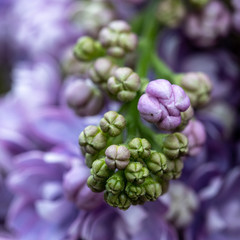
(185, 118)
(117, 157)
(175, 145)
(153, 189)
(89, 159)
(118, 39)
(92, 140)
(101, 71)
(116, 183)
(174, 169)
(94, 185)
(157, 163)
(121, 200)
(198, 87)
(87, 49)
(171, 12)
(136, 173)
(124, 84)
(112, 123)
(134, 191)
(100, 170)
(139, 148)
(165, 185)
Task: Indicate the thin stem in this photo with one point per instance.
(161, 69)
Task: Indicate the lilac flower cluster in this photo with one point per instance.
(119, 119)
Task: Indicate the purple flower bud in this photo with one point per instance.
(196, 134)
(163, 103)
(117, 157)
(118, 39)
(214, 22)
(84, 98)
(198, 87)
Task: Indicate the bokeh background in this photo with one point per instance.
(43, 191)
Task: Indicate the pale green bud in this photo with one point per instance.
(100, 170)
(134, 191)
(121, 200)
(124, 84)
(112, 123)
(157, 163)
(175, 145)
(136, 173)
(87, 49)
(92, 140)
(139, 148)
(116, 183)
(94, 185)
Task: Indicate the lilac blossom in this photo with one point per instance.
(219, 208)
(39, 194)
(45, 26)
(162, 104)
(214, 22)
(137, 223)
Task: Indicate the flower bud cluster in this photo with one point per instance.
(163, 103)
(129, 173)
(114, 41)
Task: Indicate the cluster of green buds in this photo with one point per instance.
(114, 43)
(130, 171)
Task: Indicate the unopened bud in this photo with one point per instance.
(175, 145)
(136, 173)
(174, 169)
(94, 185)
(115, 184)
(153, 189)
(117, 157)
(100, 170)
(134, 191)
(118, 39)
(92, 140)
(157, 163)
(198, 88)
(185, 118)
(124, 84)
(139, 148)
(87, 49)
(101, 71)
(171, 12)
(84, 98)
(112, 123)
(121, 200)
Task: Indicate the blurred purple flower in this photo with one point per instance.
(42, 26)
(218, 217)
(214, 22)
(137, 223)
(39, 209)
(218, 63)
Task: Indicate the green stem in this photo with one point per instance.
(161, 69)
